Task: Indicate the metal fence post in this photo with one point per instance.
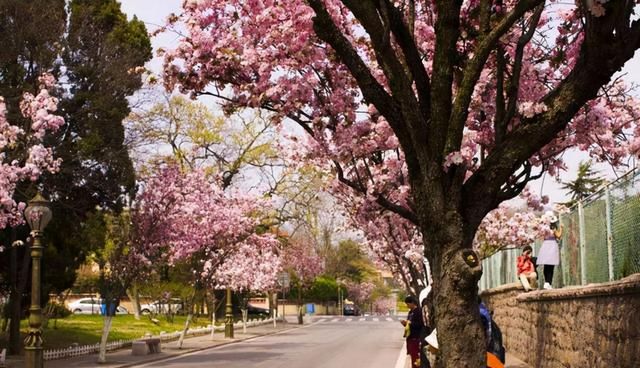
(583, 255)
(607, 198)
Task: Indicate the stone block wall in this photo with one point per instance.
(596, 325)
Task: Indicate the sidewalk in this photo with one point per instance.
(513, 362)
(123, 358)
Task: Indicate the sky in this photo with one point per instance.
(154, 13)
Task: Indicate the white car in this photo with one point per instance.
(174, 305)
(91, 306)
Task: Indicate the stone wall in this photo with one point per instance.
(596, 325)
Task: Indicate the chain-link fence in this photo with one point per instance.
(600, 242)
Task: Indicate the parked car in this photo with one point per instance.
(91, 306)
(173, 305)
(257, 311)
(350, 310)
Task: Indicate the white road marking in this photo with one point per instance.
(376, 320)
(348, 320)
(362, 319)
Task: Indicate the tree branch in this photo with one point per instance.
(608, 45)
(474, 69)
(514, 86)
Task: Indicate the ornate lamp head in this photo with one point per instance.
(38, 214)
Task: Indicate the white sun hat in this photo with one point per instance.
(432, 339)
(549, 215)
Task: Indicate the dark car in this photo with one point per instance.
(257, 311)
(350, 310)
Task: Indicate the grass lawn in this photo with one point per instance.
(87, 329)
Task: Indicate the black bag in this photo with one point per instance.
(495, 345)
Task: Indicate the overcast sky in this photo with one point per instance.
(154, 13)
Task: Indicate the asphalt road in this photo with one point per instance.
(346, 342)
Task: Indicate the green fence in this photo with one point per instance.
(601, 240)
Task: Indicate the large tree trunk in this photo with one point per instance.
(106, 327)
(134, 296)
(456, 271)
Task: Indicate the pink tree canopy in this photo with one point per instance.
(302, 260)
(267, 55)
(23, 157)
(182, 215)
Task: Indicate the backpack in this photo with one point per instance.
(495, 344)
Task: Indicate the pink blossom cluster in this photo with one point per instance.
(507, 227)
(23, 157)
(360, 292)
(187, 216)
(254, 264)
(511, 226)
(385, 305)
(302, 260)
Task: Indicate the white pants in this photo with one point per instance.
(528, 280)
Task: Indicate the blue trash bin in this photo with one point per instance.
(311, 308)
(112, 310)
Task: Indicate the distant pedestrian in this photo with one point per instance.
(526, 269)
(413, 330)
(549, 254)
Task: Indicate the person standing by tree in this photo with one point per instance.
(549, 254)
(413, 330)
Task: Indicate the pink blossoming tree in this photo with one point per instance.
(302, 261)
(437, 111)
(23, 157)
(187, 217)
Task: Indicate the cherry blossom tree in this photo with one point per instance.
(186, 216)
(437, 111)
(302, 261)
(23, 156)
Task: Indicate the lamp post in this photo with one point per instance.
(228, 316)
(38, 214)
(284, 280)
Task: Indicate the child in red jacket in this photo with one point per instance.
(526, 269)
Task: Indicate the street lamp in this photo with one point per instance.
(228, 316)
(38, 214)
(284, 280)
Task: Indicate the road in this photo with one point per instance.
(372, 342)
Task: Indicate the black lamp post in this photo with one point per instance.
(38, 214)
(228, 316)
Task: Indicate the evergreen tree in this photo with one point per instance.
(92, 50)
(586, 183)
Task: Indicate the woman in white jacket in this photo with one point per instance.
(549, 254)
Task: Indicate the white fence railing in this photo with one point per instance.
(79, 350)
